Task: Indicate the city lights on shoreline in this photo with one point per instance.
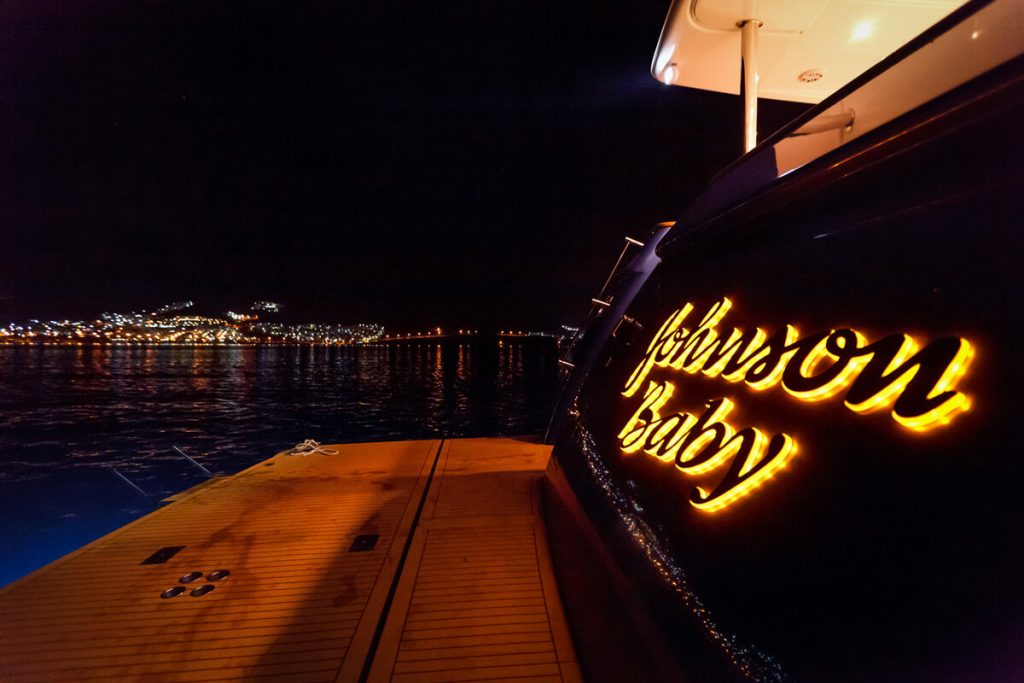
(166, 325)
(170, 325)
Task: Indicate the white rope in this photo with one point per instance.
(309, 446)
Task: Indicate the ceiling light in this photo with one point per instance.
(862, 30)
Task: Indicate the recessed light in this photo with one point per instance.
(862, 30)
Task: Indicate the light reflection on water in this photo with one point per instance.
(68, 412)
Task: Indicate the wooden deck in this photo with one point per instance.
(458, 587)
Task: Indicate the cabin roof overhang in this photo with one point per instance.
(808, 48)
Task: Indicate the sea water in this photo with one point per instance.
(74, 420)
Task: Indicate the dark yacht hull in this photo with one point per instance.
(772, 521)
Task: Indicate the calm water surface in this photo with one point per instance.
(70, 415)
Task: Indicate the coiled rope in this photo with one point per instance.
(309, 446)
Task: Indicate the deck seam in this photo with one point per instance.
(396, 579)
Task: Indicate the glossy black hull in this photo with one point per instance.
(886, 546)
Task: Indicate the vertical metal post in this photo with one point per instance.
(748, 69)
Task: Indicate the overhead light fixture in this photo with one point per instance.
(862, 30)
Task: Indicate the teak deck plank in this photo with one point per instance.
(283, 528)
(475, 598)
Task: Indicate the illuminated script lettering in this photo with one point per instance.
(917, 384)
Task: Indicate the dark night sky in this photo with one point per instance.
(408, 163)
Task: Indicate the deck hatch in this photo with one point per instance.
(164, 554)
(364, 542)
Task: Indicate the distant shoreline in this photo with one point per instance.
(382, 342)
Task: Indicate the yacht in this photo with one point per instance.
(784, 449)
(788, 432)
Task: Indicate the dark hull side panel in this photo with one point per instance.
(883, 550)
